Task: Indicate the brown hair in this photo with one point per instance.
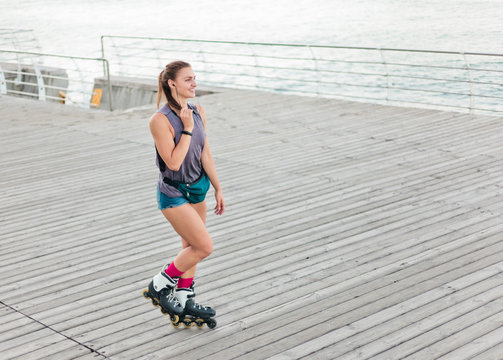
(169, 73)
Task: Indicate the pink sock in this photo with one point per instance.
(172, 271)
(185, 283)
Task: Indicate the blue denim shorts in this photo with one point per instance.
(165, 202)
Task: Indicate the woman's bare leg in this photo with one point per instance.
(201, 210)
(188, 223)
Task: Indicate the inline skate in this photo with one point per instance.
(193, 313)
(161, 292)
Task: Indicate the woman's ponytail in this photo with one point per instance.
(159, 89)
(169, 73)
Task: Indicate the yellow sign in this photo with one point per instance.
(96, 99)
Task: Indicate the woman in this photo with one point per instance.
(186, 170)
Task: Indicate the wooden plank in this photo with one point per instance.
(410, 204)
(375, 328)
(470, 340)
(488, 352)
(352, 296)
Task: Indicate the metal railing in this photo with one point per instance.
(435, 79)
(51, 77)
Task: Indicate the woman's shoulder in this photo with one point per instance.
(157, 119)
(161, 115)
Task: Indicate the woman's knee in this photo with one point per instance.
(205, 249)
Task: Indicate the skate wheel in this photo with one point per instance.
(199, 323)
(212, 323)
(174, 318)
(187, 323)
(146, 294)
(176, 324)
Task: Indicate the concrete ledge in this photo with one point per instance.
(129, 92)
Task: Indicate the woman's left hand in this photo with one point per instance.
(220, 207)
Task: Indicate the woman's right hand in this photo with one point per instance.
(187, 119)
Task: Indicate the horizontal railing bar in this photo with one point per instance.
(350, 72)
(446, 92)
(183, 51)
(52, 55)
(32, 84)
(329, 60)
(430, 104)
(487, 70)
(140, 66)
(445, 105)
(332, 71)
(21, 92)
(487, 96)
(334, 61)
(354, 73)
(49, 75)
(57, 98)
(428, 91)
(442, 67)
(348, 84)
(381, 100)
(442, 79)
(484, 109)
(11, 81)
(304, 81)
(45, 76)
(306, 45)
(354, 85)
(248, 55)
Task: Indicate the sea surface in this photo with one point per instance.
(74, 27)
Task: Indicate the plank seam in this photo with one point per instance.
(54, 330)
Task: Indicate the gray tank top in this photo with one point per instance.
(191, 167)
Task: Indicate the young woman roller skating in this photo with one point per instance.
(186, 170)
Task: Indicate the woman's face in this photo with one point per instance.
(185, 83)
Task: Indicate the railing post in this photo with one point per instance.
(3, 84)
(19, 75)
(157, 55)
(387, 73)
(313, 56)
(40, 82)
(201, 53)
(470, 81)
(256, 65)
(103, 54)
(109, 83)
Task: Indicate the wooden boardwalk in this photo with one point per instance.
(352, 231)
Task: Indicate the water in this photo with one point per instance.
(74, 28)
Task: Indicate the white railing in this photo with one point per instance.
(435, 79)
(51, 77)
